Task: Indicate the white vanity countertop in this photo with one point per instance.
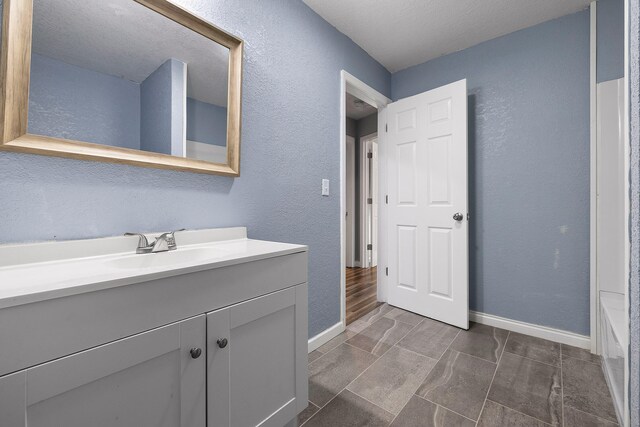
(41, 271)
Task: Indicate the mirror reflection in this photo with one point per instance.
(116, 73)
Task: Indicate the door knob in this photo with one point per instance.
(195, 352)
(222, 342)
(458, 216)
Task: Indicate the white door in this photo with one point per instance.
(351, 201)
(427, 189)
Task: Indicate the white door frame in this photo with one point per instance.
(626, 126)
(363, 196)
(359, 89)
(593, 199)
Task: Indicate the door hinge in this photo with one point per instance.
(369, 201)
(386, 199)
(369, 247)
(369, 155)
(468, 217)
(386, 127)
(386, 271)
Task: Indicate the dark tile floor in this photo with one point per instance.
(395, 368)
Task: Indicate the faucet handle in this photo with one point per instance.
(170, 239)
(142, 241)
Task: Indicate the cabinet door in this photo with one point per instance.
(260, 376)
(150, 379)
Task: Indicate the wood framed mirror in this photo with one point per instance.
(139, 82)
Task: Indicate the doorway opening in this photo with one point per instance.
(359, 197)
(361, 214)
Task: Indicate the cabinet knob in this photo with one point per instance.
(195, 352)
(222, 342)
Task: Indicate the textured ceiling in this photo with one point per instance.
(358, 109)
(402, 33)
(125, 39)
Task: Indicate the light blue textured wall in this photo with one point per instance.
(206, 122)
(70, 102)
(528, 169)
(290, 141)
(610, 40)
(161, 109)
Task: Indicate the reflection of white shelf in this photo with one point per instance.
(207, 152)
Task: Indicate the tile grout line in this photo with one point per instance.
(561, 388)
(599, 364)
(324, 354)
(415, 352)
(475, 357)
(521, 413)
(486, 397)
(437, 361)
(414, 393)
(378, 358)
(594, 416)
(533, 360)
(367, 368)
(562, 384)
(508, 407)
(388, 332)
(445, 408)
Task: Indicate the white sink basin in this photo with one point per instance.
(166, 259)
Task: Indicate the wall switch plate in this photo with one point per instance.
(325, 187)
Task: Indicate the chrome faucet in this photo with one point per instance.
(162, 243)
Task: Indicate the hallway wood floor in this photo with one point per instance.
(361, 292)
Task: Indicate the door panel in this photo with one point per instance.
(407, 246)
(407, 173)
(123, 383)
(439, 171)
(238, 374)
(440, 272)
(427, 170)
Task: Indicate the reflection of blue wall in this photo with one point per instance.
(610, 37)
(206, 122)
(161, 108)
(70, 102)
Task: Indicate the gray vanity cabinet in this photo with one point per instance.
(256, 360)
(215, 347)
(123, 383)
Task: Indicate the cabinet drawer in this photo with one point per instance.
(149, 379)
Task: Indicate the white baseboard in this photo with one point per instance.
(325, 336)
(551, 334)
